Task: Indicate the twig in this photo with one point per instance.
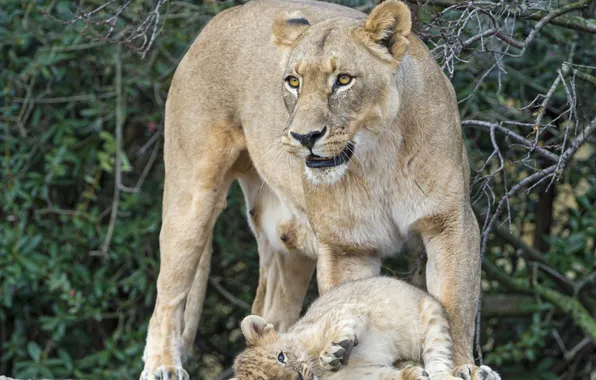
(229, 296)
(551, 15)
(515, 136)
(145, 172)
(226, 374)
(120, 117)
(571, 353)
(68, 99)
(106, 15)
(571, 22)
(536, 178)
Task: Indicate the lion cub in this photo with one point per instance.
(372, 322)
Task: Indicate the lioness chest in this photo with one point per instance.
(360, 214)
(369, 214)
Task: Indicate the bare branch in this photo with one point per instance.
(515, 136)
(120, 117)
(227, 295)
(103, 24)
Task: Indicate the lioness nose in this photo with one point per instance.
(309, 139)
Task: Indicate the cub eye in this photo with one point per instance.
(281, 358)
(293, 81)
(344, 79)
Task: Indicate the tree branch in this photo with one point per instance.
(510, 133)
(120, 117)
(569, 305)
(571, 22)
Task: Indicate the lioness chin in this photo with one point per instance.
(345, 137)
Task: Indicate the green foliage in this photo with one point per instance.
(72, 306)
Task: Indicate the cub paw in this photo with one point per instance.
(411, 372)
(337, 354)
(165, 373)
(471, 372)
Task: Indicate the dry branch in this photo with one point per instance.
(569, 305)
(104, 23)
(120, 117)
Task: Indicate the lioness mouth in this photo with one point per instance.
(314, 161)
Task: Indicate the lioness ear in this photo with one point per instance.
(287, 27)
(387, 29)
(255, 329)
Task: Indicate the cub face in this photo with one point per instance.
(339, 84)
(270, 356)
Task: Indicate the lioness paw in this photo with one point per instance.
(411, 372)
(165, 373)
(471, 372)
(337, 354)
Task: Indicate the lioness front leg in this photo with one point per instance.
(453, 275)
(335, 266)
(345, 325)
(198, 162)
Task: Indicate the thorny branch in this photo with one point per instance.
(492, 27)
(110, 22)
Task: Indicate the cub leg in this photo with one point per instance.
(437, 347)
(198, 160)
(342, 328)
(370, 371)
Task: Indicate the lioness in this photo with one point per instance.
(345, 137)
(364, 326)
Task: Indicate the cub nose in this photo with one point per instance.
(309, 139)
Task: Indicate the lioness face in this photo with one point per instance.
(339, 88)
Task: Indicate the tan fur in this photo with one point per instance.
(229, 115)
(389, 319)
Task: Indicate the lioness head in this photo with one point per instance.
(269, 355)
(339, 85)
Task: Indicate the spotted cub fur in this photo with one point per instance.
(355, 331)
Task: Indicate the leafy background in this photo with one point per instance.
(77, 291)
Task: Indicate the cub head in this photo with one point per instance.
(339, 86)
(269, 355)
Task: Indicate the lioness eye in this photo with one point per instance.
(344, 79)
(281, 358)
(293, 81)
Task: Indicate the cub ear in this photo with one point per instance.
(255, 329)
(387, 29)
(287, 27)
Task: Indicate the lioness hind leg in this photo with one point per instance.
(288, 278)
(194, 301)
(284, 271)
(198, 160)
